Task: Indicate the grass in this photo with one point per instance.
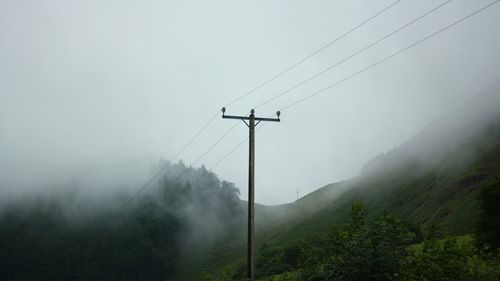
(443, 195)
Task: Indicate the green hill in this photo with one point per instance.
(432, 182)
(145, 236)
(192, 222)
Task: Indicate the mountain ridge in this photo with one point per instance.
(432, 180)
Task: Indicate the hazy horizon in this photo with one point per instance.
(96, 92)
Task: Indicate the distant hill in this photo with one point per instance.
(432, 182)
(191, 221)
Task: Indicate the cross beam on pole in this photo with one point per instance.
(251, 176)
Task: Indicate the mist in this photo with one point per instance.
(116, 163)
(97, 93)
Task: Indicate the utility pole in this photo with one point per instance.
(251, 176)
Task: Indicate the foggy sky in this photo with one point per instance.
(99, 90)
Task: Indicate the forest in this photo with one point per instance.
(128, 237)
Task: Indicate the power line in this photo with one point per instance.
(213, 145)
(195, 162)
(390, 56)
(162, 169)
(315, 93)
(207, 151)
(312, 54)
(226, 156)
(234, 149)
(196, 135)
(151, 180)
(178, 177)
(354, 54)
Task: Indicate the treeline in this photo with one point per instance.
(124, 237)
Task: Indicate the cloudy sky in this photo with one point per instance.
(89, 86)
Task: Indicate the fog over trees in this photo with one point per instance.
(115, 163)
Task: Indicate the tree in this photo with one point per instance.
(488, 229)
(389, 242)
(350, 250)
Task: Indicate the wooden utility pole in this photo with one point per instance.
(251, 176)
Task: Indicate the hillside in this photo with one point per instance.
(192, 222)
(140, 236)
(432, 181)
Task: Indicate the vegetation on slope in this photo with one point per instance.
(433, 183)
(380, 249)
(193, 222)
(120, 238)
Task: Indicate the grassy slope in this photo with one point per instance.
(443, 194)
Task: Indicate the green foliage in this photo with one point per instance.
(435, 198)
(43, 243)
(350, 249)
(488, 229)
(274, 260)
(448, 260)
(54, 239)
(390, 240)
(357, 251)
(363, 252)
(379, 251)
(204, 276)
(225, 276)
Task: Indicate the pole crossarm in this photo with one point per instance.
(248, 118)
